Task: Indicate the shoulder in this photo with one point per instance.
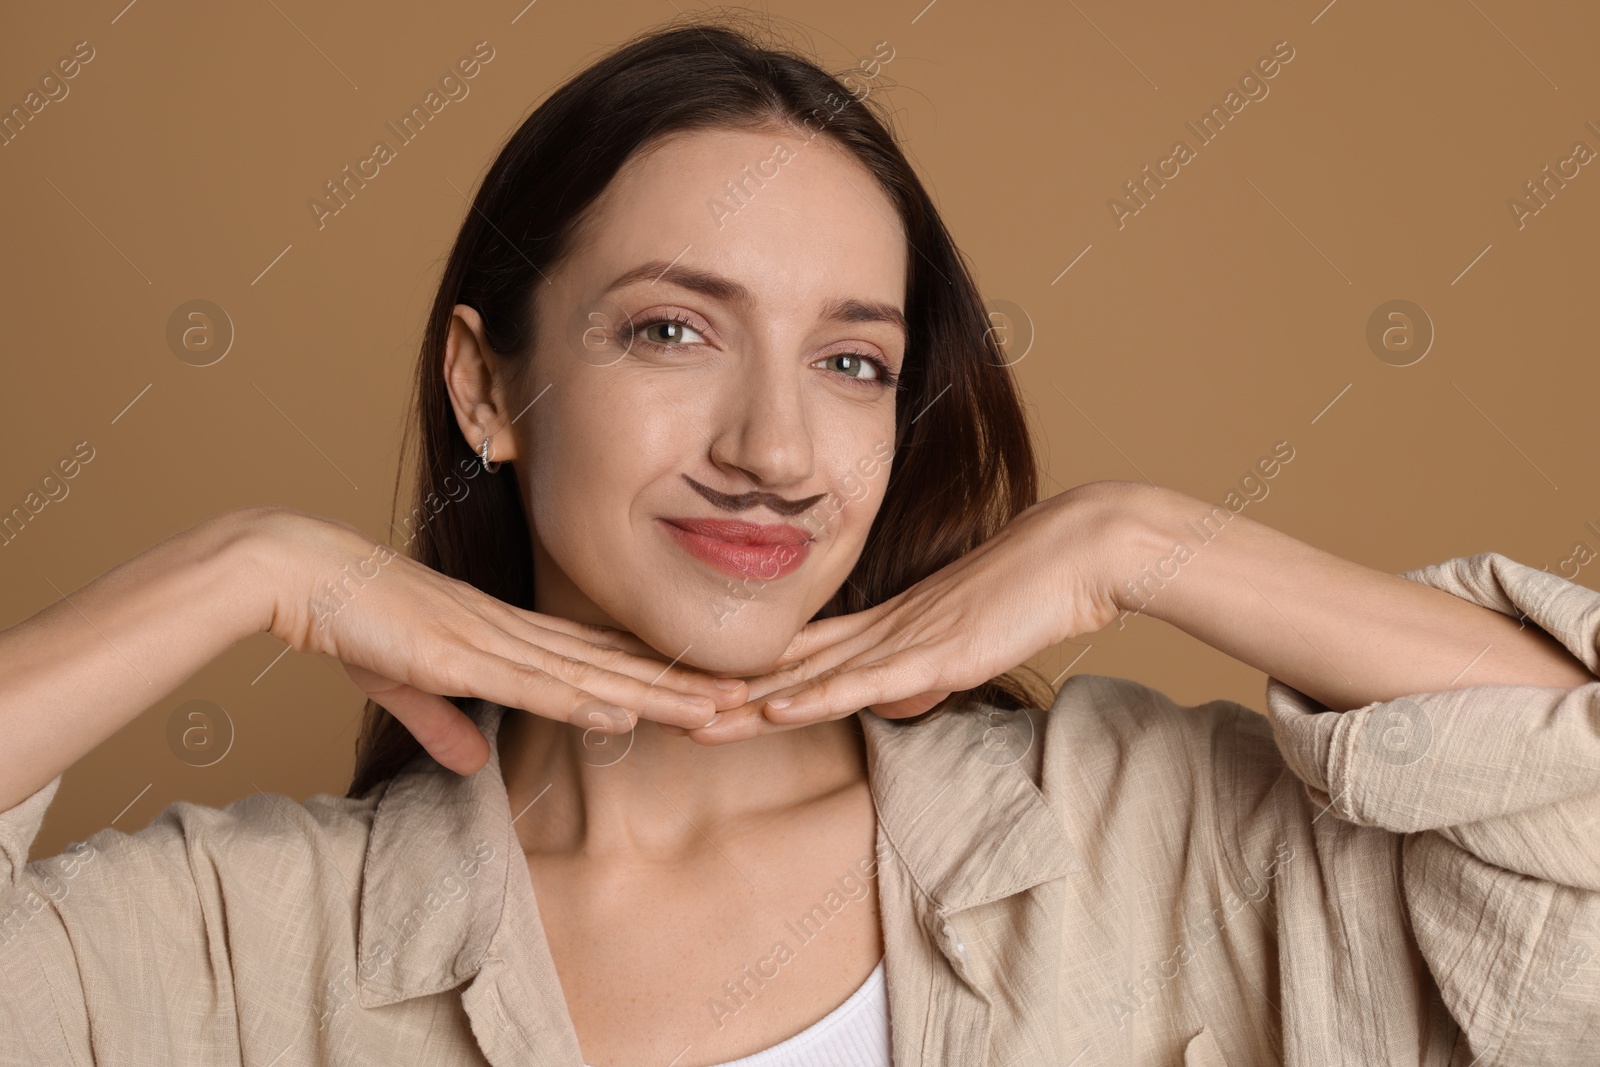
(321, 827)
(1113, 749)
(256, 841)
(1104, 719)
(1105, 727)
(128, 931)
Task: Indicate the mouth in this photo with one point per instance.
(742, 549)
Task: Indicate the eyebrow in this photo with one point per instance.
(729, 291)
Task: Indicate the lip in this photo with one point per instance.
(742, 549)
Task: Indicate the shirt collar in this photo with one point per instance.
(435, 880)
(953, 797)
(956, 801)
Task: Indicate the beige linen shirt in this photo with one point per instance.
(1117, 880)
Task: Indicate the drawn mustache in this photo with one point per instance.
(737, 502)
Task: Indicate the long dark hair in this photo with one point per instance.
(963, 463)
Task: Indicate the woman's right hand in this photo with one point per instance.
(409, 636)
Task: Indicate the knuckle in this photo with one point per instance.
(576, 671)
(531, 675)
(455, 671)
(790, 675)
(597, 634)
(620, 661)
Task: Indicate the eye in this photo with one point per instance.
(670, 331)
(864, 368)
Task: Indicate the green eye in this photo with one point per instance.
(856, 365)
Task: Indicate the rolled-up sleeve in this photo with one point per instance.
(116, 950)
(1497, 791)
(43, 999)
(18, 827)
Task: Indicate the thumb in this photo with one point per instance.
(441, 728)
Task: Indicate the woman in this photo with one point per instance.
(726, 538)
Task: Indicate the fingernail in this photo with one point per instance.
(780, 703)
(729, 684)
(704, 705)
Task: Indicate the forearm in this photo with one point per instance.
(1342, 633)
(83, 667)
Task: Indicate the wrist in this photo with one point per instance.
(1163, 531)
(247, 553)
(1114, 529)
(1141, 552)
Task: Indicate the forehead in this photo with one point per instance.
(792, 219)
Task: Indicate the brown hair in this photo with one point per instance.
(963, 463)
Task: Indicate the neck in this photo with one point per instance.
(652, 794)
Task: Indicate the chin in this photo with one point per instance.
(740, 647)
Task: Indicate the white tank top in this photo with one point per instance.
(855, 1034)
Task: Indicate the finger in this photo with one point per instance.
(876, 684)
(825, 632)
(823, 657)
(649, 701)
(779, 698)
(438, 725)
(616, 651)
(606, 636)
(903, 709)
(518, 684)
(722, 692)
(646, 700)
(740, 724)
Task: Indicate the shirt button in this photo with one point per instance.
(953, 940)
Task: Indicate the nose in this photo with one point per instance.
(761, 425)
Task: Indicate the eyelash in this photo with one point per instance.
(886, 378)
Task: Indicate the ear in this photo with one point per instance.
(475, 377)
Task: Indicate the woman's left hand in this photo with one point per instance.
(1045, 577)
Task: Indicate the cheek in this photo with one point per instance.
(576, 440)
(859, 482)
(591, 457)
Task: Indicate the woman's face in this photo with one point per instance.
(763, 277)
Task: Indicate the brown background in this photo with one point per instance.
(1224, 317)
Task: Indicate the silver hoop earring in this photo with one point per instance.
(483, 455)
